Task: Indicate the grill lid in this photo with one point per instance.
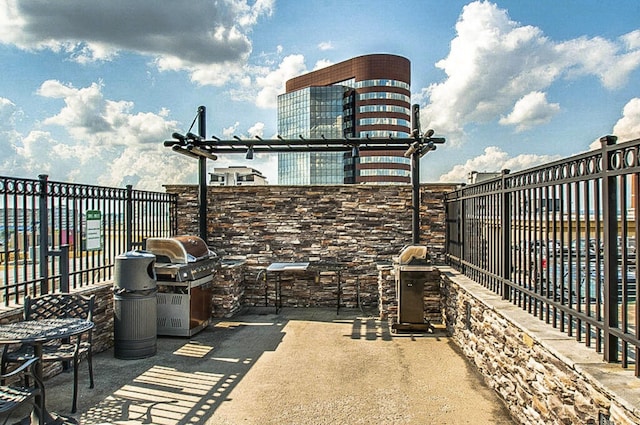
(412, 254)
(179, 249)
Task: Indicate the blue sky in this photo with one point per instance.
(90, 89)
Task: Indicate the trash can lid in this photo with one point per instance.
(136, 254)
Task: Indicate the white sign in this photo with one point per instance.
(94, 231)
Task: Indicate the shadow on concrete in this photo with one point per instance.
(183, 383)
(192, 380)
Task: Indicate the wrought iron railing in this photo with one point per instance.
(559, 241)
(59, 236)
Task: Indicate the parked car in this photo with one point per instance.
(555, 248)
(586, 248)
(529, 260)
(630, 249)
(591, 277)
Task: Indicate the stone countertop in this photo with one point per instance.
(229, 263)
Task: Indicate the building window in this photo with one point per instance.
(384, 172)
(384, 108)
(384, 95)
(383, 133)
(380, 159)
(382, 83)
(384, 121)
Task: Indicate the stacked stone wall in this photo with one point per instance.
(344, 231)
(543, 376)
(228, 291)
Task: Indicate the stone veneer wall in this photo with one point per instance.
(345, 231)
(543, 375)
(228, 291)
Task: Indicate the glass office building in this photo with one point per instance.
(367, 96)
(311, 112)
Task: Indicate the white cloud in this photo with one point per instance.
(106, 143)
(594, 56)
(229, 132)
(9, 137)
(202, 38)
(494, 160)
(493, 62)
(94, 120)
(262, 85)
(8, 114)
(256, 130)
(628, 127)
(325, 45)
(148, 169)
(632, 40)
(531, 110)
(322, 63)
(273, 83)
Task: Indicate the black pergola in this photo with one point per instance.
(201, 148)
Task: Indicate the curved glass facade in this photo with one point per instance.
(367, 96)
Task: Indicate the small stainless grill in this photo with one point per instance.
(411, 270)
(184, 267)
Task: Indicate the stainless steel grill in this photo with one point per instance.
(411, 268)
(184, 267)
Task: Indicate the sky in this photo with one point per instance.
(90, 89)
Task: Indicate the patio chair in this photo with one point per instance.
(19, 393)
(72, 350)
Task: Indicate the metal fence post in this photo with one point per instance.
(462, 230)
(202, 177)
(63, 258)
(610, 216)
(505, 235)
(64, 268)
(129, 218)
(43, 228)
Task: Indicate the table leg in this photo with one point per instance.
(40, 399)
(266, 290)
(278, 293)
(49, 419)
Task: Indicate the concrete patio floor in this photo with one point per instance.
(301, 366)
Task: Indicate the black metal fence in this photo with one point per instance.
(559, 241)
(51, 230)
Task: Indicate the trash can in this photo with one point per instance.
(135, 305)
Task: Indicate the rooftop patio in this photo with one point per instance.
(301, 366)
(556, 337)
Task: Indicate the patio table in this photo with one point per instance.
(36, 333)
(279, 268)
